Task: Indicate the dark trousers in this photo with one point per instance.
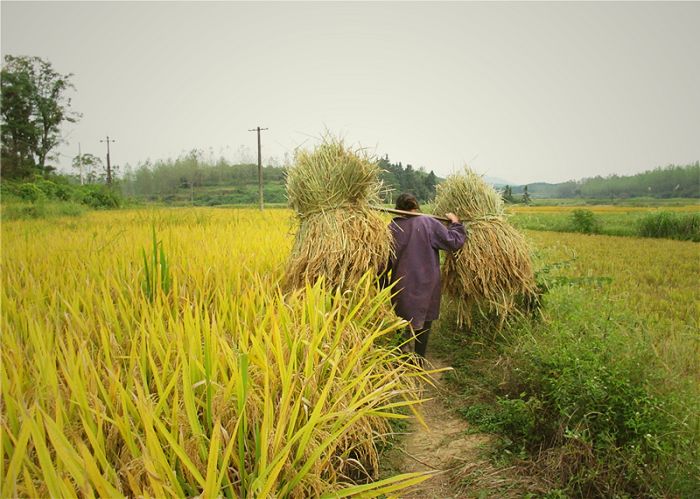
(422, 336)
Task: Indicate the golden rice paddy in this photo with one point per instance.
(205, 379)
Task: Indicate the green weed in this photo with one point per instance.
(684, 226)
(40, 210)
(156, 271)
(584, 221)
(582, 396)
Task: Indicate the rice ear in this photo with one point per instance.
(339, 237)
(494, 266)
(468, 196)
(330, 177)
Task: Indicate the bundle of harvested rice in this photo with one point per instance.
(339, 236)
(494, 266)
(468, 196)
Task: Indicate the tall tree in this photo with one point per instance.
(90, 167)
(18, 137)
(34, 106)
(430, 184)
(507, 194)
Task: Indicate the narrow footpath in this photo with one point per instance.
(445, 446)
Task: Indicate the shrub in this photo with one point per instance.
(47, 187)
(63, 192)
(101, 196)
(685, 226)
(30, 192)
(581, 398)
(584, 221)
(22, 211)
(8, 188)
(587, 388)
(38, 189)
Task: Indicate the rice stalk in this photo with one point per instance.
(338, 237)
(226, 386)
(467, 195)
(494, 267)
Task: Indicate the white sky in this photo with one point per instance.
(522, 91)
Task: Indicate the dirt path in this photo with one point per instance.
(445, 446)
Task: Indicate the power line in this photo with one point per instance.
(80, 163)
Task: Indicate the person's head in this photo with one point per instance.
(407, 202)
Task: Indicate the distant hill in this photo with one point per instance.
(538, 189)
(496, 181)
(663, 182)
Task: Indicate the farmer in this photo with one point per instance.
(416, 266)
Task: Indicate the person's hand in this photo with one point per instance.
(453, 218)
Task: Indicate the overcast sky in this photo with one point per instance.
(522, 91)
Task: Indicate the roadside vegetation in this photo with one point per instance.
(54, 197)
(597, 393)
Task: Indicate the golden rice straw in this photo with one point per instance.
(339, 237)
(494, 266)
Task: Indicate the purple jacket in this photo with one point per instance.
(416, 265)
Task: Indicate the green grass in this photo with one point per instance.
(580, 397)
(684, 226)
(21, 210)
(244, 194)
(630, 223)
(632, 202)
(611, 224)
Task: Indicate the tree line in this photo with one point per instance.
(663, 182)
(36, 104)
(672, 181)
(201, 181)
(400, 179)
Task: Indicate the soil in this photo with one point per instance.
(445, 446)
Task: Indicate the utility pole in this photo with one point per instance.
(80, 164)
(109, 167)
(260, 178)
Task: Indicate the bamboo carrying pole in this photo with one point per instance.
(409, 213)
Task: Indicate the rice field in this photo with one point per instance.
(602, 208)
(654, 280)
(152, 353)
(610, 220)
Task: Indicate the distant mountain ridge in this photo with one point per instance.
(496, 181)
(662, 182)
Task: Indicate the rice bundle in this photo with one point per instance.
(339, 237)
(494, 266)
